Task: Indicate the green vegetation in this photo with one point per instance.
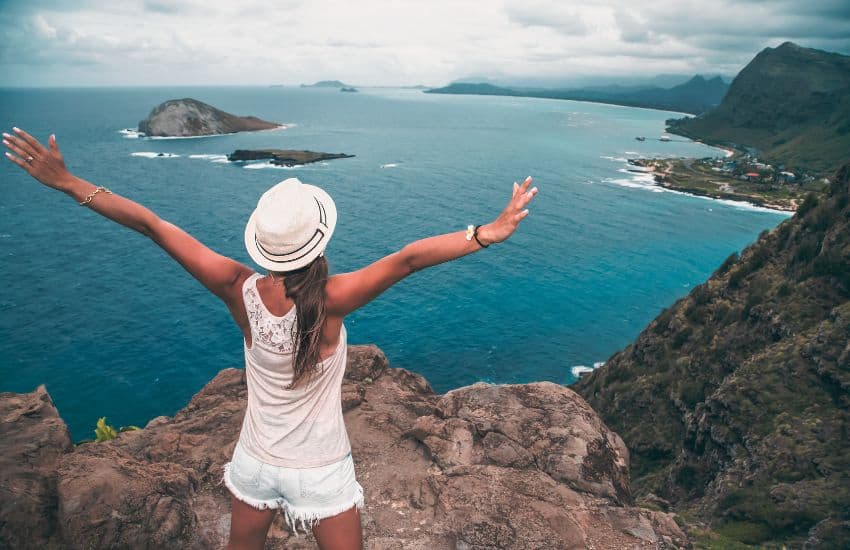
(727, 179)
(792, 104)
(735, 401)
(105, 432)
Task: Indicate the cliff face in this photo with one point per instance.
(513, 466)
(790, 103)
(190, 117)
(735, 401)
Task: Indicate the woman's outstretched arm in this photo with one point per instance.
(349, 291)
(216, 272)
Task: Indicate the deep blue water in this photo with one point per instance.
(115, 328)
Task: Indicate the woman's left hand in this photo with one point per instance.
(44, 164)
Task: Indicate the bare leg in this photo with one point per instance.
(248, 525)
(340, 532)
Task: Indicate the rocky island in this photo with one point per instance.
(525, 466)
(189, 117)
(284, 157)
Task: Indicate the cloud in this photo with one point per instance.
(59, 42)
(550, 15)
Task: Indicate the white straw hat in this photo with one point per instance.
(291, 226)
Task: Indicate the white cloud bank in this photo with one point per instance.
(93, 42)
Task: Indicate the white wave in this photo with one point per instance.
(615, 159)
(632, 153)
(636, 183)
(389, 165)
(741, 205)
(262, 165)
(129, 133)
(219, 159)
(153, 155)
(578, 370)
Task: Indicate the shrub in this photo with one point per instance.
(105, 432)
(808, 204)
(681, 337)
(726, 265)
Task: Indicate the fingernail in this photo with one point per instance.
(5, 142)
(9, 155)
(6, 135)
(16, 129)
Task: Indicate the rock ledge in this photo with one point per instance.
(527, 466)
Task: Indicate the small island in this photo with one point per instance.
(327, 84)
(283, 157)
(189, 117)
(348, 89)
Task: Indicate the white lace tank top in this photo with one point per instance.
(294, 428)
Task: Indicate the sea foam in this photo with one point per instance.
(154, 155)
(211, 157)
(262, 165)
(578, 370)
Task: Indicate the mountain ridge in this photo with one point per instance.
(790, 103)
(693, 96)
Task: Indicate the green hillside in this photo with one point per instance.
(790, 103)
(735, 401)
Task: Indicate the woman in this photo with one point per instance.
(293, 450)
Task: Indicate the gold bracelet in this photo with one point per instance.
(91, 195)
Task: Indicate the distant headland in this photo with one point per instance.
(189, 117)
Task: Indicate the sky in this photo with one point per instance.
(401, 42)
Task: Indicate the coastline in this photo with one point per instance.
(660, 178)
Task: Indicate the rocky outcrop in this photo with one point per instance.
(33, 439)
(284, 157)
(735, 401)
(190, 117)
(508, 466)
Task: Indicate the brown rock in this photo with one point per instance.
(33, 437)
(518, 466)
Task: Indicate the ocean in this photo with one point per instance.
(115, 328)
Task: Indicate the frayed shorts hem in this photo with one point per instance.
(308, 517)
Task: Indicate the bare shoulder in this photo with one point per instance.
(335, 295)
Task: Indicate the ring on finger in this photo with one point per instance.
(30, 159)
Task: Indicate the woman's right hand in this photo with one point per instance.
(44, 164)
(506, 223)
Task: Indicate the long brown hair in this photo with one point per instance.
(306, 287)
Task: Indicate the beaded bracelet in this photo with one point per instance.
(475, 236)
(91, 195)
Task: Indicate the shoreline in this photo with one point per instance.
(659, 179)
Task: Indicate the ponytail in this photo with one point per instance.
(306, 287)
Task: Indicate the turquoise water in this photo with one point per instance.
(115, 328)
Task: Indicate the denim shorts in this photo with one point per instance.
(304, 494)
